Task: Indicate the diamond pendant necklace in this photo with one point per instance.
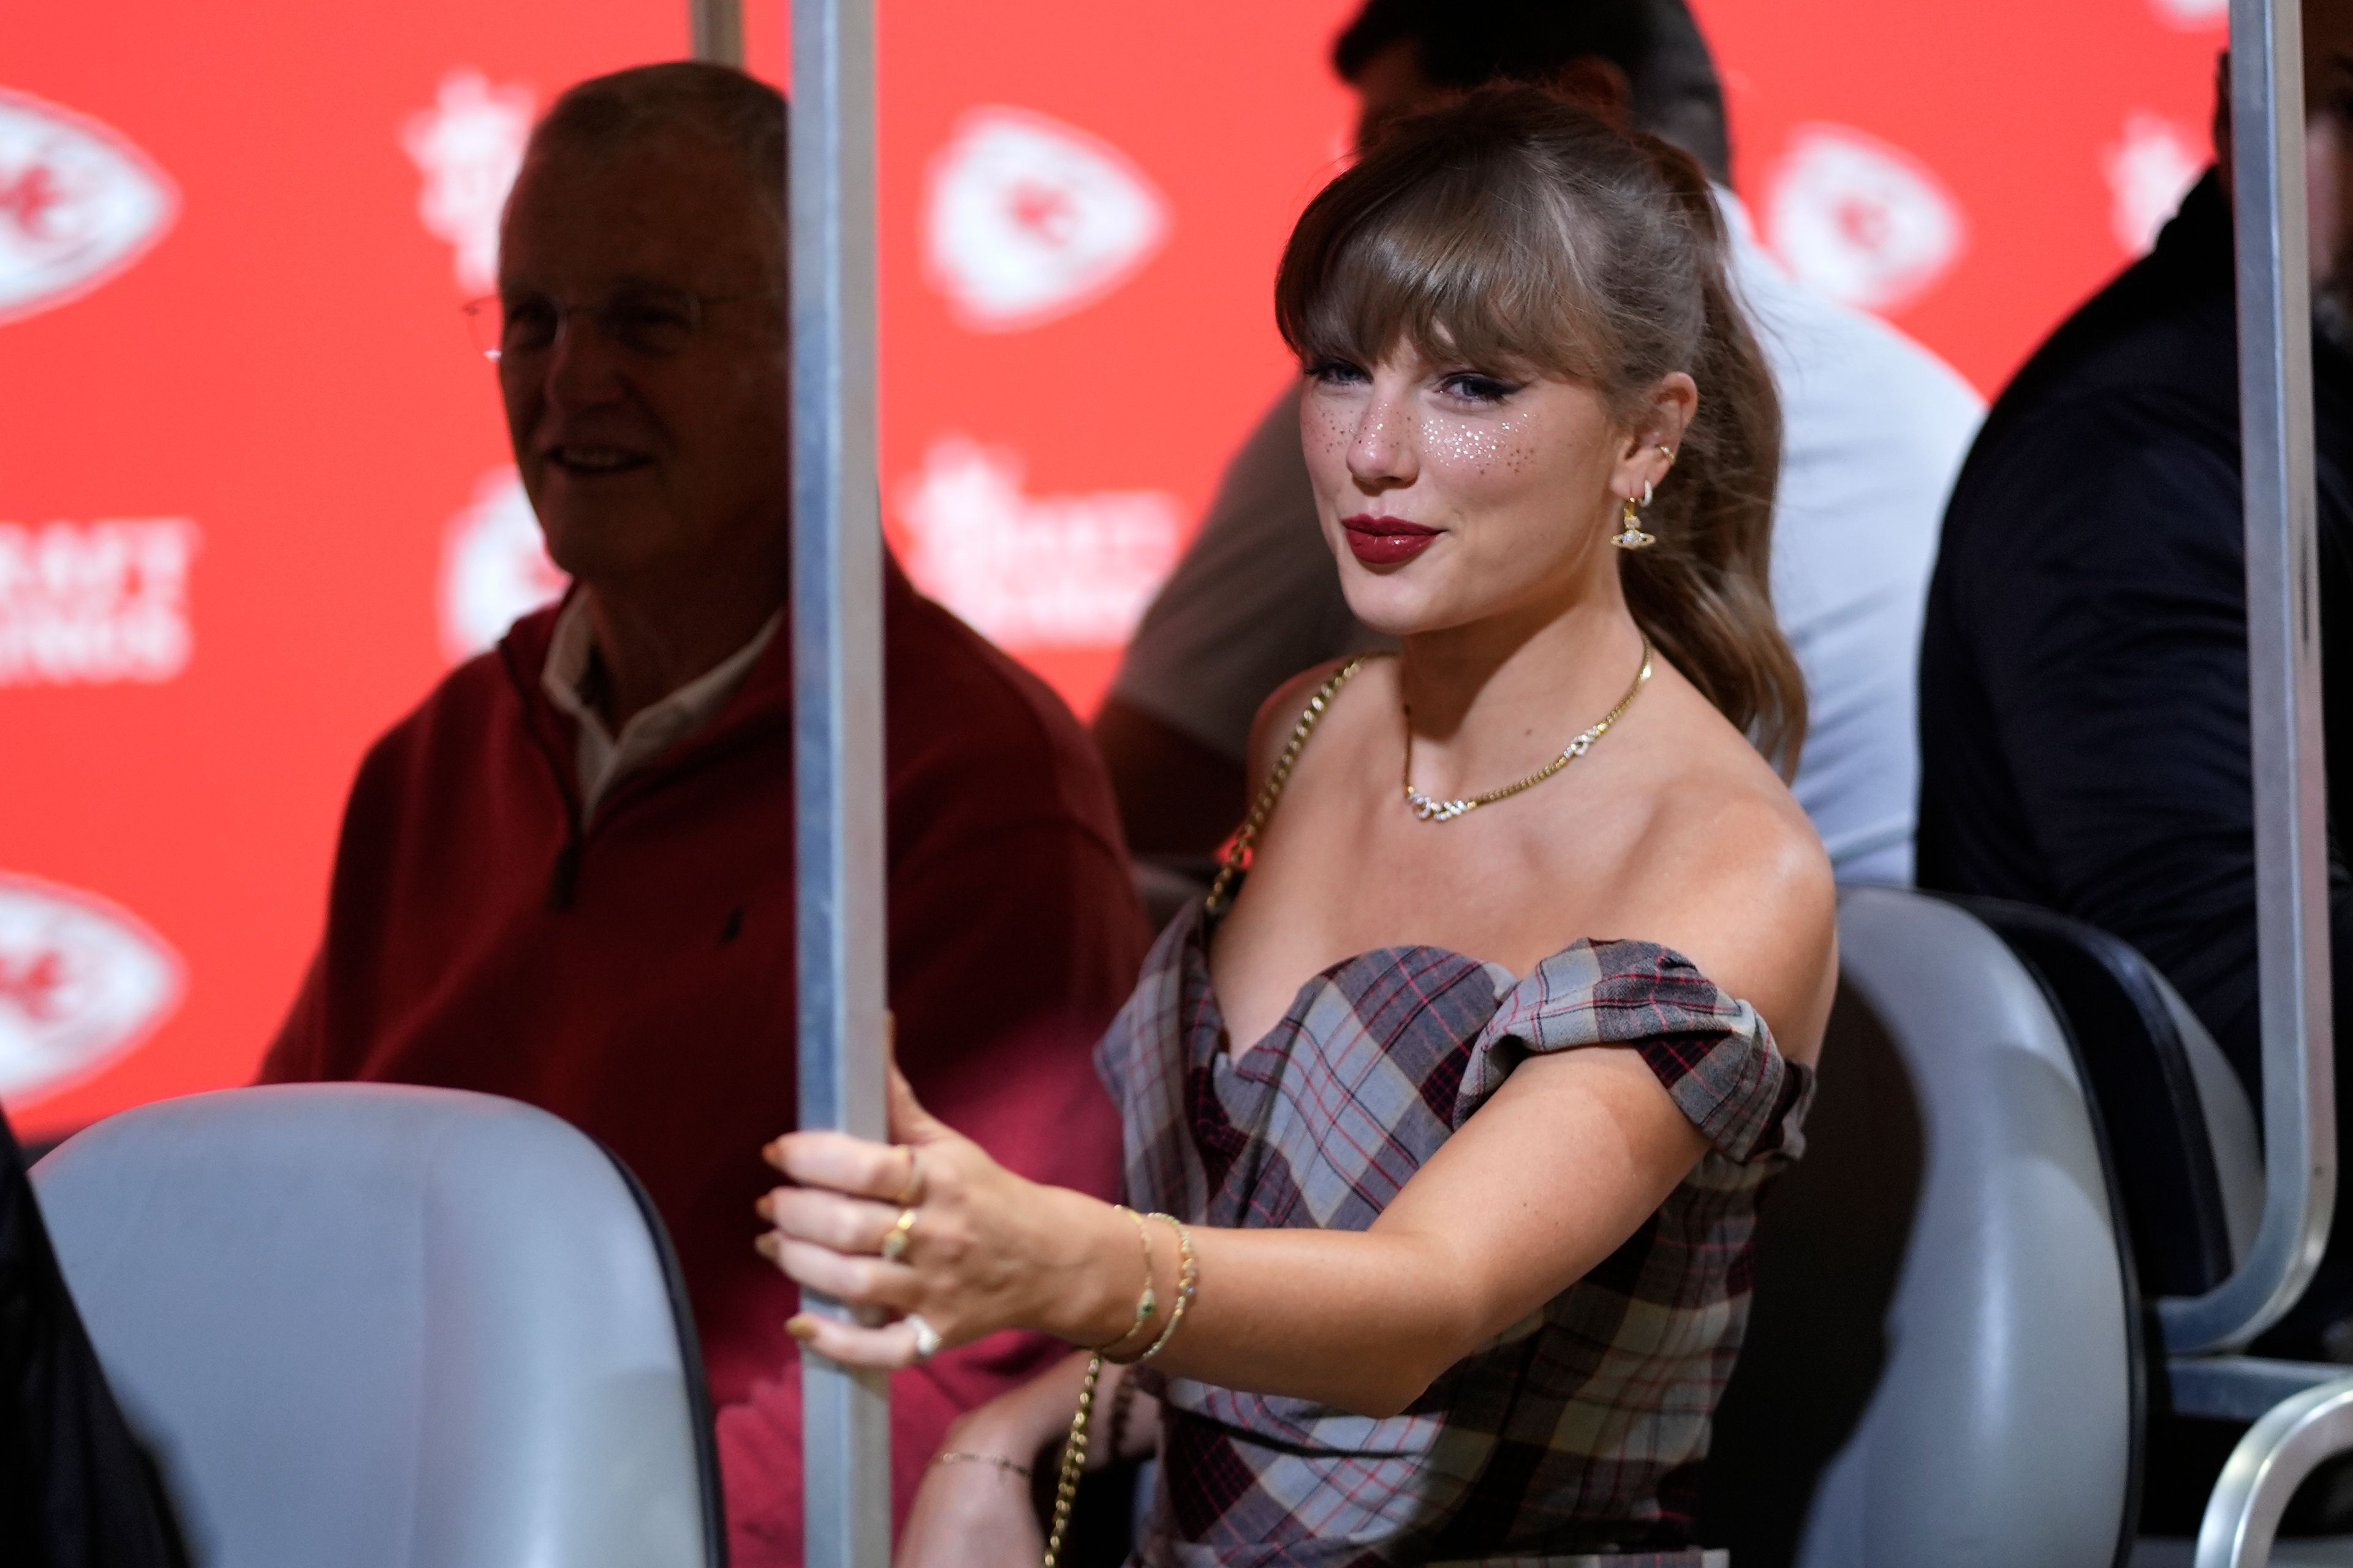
(1428, 808)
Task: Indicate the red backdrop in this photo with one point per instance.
(253, 495)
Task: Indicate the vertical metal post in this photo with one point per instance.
(837, 628)
(716, 27)
(2283, 687)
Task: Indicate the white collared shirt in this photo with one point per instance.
(1873, 430)
(601, 758)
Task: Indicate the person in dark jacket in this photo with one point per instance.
(75, 1489)
(2084, 718)
(567, 877)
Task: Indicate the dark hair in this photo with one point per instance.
(1514, 229)
(1465, 44)
(734, 108)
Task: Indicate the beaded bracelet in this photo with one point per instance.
(1149, 1302)
(1074, 1447)
(1189, 1282)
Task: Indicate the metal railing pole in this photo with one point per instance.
(716, 27)
(2283, 688)
(836, 631)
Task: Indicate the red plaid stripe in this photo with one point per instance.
(1580, 1431)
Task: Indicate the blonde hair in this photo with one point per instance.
(1513, 227)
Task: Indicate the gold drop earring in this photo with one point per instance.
(1630, 536)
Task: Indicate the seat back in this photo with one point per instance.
(2179, 1127)
(1166, 887)
(1942, 1366)
(385, 1327)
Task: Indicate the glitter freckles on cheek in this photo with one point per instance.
(1483, 449)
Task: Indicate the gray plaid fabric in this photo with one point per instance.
(1575, 1437)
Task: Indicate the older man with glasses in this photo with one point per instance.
(567, 877)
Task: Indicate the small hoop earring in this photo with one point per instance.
(1667, 452)
(1630, 536)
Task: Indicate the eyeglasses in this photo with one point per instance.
(650, 320)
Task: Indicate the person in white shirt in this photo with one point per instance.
(1875, 427)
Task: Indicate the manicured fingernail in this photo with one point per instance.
(801, 1326)
(768, 1246)
(760, 1207)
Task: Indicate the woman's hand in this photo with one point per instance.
(931, 1228)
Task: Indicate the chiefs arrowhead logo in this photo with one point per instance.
(78, 205)
(1029, 219)
(468, 147)
(1865, 223)
(81, 982)
(494, 566)
(1032, 571)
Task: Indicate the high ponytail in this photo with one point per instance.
(1513, 226)
(1704, 593)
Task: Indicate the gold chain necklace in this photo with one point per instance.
(1430, 809)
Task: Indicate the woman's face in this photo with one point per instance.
(1450, 493)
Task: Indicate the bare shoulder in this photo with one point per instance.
(1738, 883)
(1280, 713)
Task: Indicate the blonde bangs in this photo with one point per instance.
(1480, 265)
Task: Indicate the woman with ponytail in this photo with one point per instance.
(1447, 1111)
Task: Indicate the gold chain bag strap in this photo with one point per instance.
(1238, 849)
(1236, 860)
(1074, 1447)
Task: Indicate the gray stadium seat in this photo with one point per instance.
(1943, 1366)
(2190, 1174)
(2181, 1130)
(1166, 886)
(381, 1327)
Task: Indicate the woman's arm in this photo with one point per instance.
(1567, 1158)
(973, 1510)
(1551, 1176)
(1560, 1166)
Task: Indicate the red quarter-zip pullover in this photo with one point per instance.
(637, 977)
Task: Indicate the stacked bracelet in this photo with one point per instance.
(1074, 1447)
(1188, 1281)
(1149, 1302)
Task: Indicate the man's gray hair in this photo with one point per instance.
(605, 114)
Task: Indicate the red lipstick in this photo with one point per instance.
(1385, 540)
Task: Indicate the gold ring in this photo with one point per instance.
(912, 1193)
(895, 1239)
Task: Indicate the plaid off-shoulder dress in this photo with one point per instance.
(1575, 1438)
